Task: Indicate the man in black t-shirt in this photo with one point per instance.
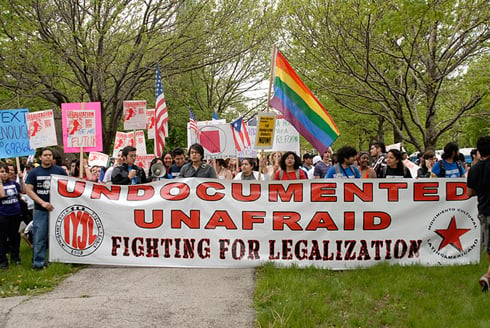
(38, 184)
(478, 184)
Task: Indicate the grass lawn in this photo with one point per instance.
(23, 280)
(380, 296)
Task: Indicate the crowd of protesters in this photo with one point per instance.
(24, 194)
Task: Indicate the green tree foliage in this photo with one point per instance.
(402, 61)
(70, 51)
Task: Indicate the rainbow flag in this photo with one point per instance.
(301, 108)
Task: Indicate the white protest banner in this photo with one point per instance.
(42, 132)
(144, 161)
(97, 159)
(14, 138)
(194, 222)
(134, 114)
(150, 123)
(215, 137)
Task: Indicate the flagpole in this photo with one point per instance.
(271, 77)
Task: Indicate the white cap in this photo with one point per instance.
(316, 159)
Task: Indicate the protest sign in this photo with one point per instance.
(134, 114)
(97, 159)
(144, 162)
(140, 143)
(249, 152)
(286, 137)
(14, 138)
(150, 123)
(42, 131)
(215, 137)
(124, 139)
(264, 137)
(194, 222)
(82, 127)
(412, 167)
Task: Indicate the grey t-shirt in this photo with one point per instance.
(204, 171)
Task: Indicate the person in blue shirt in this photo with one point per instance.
(345, 168)
(449, 166)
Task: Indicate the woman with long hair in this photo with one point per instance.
(427, 160)
(248, 171)
(290, 167)
(394, 166)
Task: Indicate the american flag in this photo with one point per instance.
(161, 116)
(193, 123)
(240, 134)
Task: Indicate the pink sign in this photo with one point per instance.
(82, 127)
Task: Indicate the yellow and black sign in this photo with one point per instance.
(265, 131)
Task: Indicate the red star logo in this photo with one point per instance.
(451, 235)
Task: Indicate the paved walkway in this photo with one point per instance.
(139, 297)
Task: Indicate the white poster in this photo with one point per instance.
(215, 137)
(41, 129)
(81, 130)
(97, 159)
(335, 224)
(134, 114)
(150, 123)
(124, 139)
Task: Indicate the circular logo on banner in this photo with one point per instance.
(79, 230)
(454, 233)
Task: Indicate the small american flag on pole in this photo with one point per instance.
(240, 134)
(193, 124)
(161, 116)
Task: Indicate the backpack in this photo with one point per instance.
(337, 170)
(281, 174)
(443, 168)
(382, 172)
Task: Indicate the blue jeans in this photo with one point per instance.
(40, 226)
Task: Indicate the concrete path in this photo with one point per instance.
(139, 297)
